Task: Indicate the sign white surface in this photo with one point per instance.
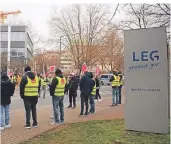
(146, 80)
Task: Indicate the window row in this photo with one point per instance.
(14, 44)
(15, 52)
(15, 36)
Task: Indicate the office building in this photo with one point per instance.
(18, 41)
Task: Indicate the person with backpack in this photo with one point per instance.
(7, 90)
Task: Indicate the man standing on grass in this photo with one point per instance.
(57, 89)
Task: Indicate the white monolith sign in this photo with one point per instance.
(146, 80)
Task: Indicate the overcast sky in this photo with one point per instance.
(39, 14)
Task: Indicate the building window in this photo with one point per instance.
(21, 52)
(17, 36)
(4, 36)
(14, 52)
(4, 44)
(4, 52)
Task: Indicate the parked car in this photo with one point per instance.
(104, 79)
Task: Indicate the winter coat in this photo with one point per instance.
(31, 75)
(97, 83)
(92, 84)
(73, 86)
(54, 84)
(85, 85)
(7, 90)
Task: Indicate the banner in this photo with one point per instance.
(146, 80)
(97, 71)
(52, 68)
(84, 68)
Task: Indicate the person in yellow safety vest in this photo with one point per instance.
(120, 86)
(29, 87)
(11, 79)
(38, 75)
(93, 94)
(57, 89)
(115, 88)
(44, 81)
(14, 79)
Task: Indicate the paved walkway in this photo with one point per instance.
(18, 133)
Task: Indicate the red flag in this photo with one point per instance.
(52, 68)
(46, 74)
(84, 68)
(97, 71)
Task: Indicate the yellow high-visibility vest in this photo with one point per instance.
(121, 81)
(94, 89)
(43, 83)
(60, 87)
(31, 88)
(115, 82)
(14, 78)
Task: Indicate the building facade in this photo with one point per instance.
(66, 62)
(16, 47)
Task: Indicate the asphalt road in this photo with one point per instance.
(17, 102)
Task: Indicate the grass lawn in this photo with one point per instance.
(98, 132)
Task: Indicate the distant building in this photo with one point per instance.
(66, 62)
(18, 39)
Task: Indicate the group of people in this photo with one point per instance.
(59, 86)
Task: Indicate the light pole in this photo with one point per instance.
(60, 50)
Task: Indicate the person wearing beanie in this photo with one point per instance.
(29, 88)
(57, 89)
(7, 90)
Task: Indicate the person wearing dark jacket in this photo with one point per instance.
(85, 91)
(120, 87)
(29, 88)
(57, 89)
(97, 88)
(38, 75)
(7, 90)
(73, 86)
(93, 94)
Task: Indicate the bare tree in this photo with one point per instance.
(45, 58)
(146, 15)
(84, 28)
(113, 53)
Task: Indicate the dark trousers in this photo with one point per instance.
(72, 98)
(120, 94)
(97, 94)
(84, 100)
(30, 107)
